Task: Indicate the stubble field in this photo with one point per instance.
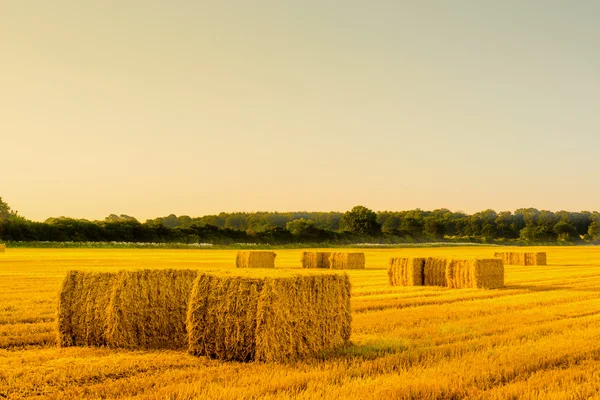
(539, 337)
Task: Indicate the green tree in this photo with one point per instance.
(361, 220)
(300, 227)
(594, 230)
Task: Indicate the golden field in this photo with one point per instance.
(539, 337)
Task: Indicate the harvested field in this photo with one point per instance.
(534, 338)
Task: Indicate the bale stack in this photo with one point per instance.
(82, 302)
(434, 272)
(275, 318)
(148, 308)
(487, 273)
(406, 271)
(129, 309)
(347, 261)
(2, 248)
(521, 258)
(255, 259)
(315, 259)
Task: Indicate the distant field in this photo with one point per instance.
(539, 337)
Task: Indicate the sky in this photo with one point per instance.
(149, 108)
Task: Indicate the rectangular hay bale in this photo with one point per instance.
(522, 258)
(81, 313)
(315, 259)
(434, 272)
(255, 259)
(487, 273)
(148, 308)
(2, 248)
(343, 260)
(405, 271)
(274, 318)
(459, 274)
(130, 309)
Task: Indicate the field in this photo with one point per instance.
(539, 337)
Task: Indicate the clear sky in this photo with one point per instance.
(151, 107)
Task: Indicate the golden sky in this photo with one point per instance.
(149, 108)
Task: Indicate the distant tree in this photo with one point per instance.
(361, 220)
(433, 227)
(299, 227)
(565, 231)
(5, 211)
(594, 231)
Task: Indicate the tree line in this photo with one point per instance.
(527, 225)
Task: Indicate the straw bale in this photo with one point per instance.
(406, 271)
(255, 259)
(434, 271)
(347, 260)
(522, 258)
(221, 317)
(535, 259)
(2, 248)
(82, 304)
(273, 318)
(148, 309)
(315, 259)
(459, 274)
(487, 273)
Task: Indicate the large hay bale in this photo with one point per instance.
(131, 309)
(347, 260)
(221, 317)
(406, 271)
(2, 248)
(487, 273)
(255, 259)
(82, 304)
(315, 259)
(459, 274)
(275, 318)
(148, 309)
(434, 272)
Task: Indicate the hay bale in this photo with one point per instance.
(315, 259)
(255, 259)
(434, 272)
(487, 273)
(221, 317)
(459, 274)
(347, 260)
(82, 303)
(2, 248)
(148, 309)
(522, 258)
(275, 318)
(406, 271)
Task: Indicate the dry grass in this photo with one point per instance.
(255, 259)
(535, 338)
